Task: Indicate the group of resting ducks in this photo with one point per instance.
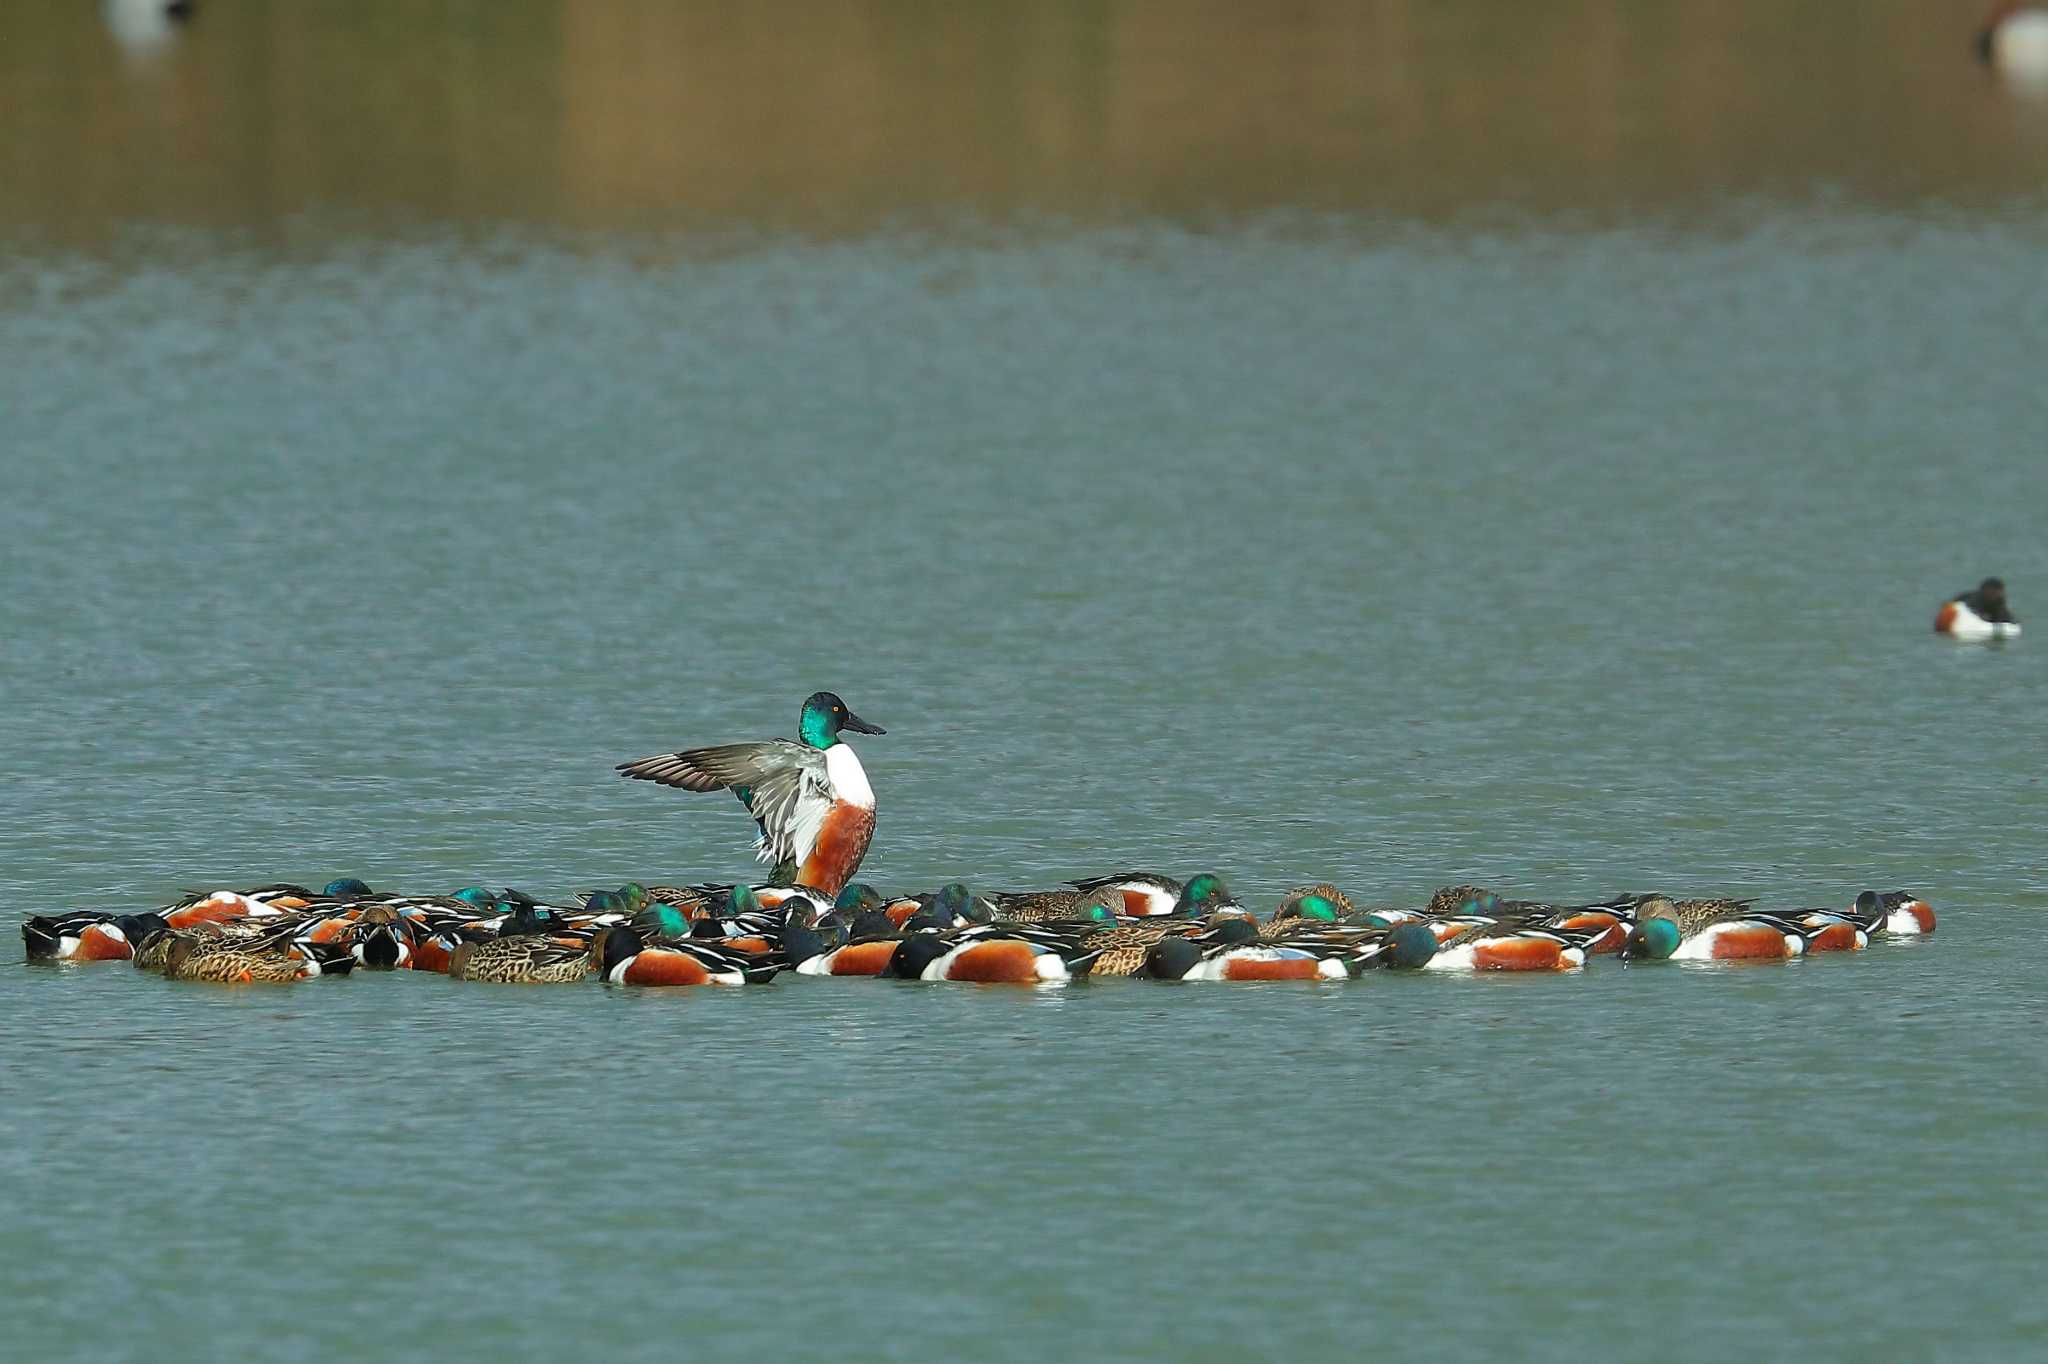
(811, 802)
(1134, 924)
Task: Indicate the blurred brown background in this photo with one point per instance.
(834, 117)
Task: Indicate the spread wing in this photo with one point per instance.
(789, 792)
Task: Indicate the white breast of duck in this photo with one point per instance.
(849, 779)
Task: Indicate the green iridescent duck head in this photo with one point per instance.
(1408, 946)
(1651, 940)
(824, 715)
(1320, 908)
(662, 921)
(1201, 895)
(856, 897)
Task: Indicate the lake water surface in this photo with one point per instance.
(1269, 503)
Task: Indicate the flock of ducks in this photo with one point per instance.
(815, 812)
(1134, 925)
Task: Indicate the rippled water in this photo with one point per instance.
(1290, 543)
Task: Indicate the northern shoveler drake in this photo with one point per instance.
(1334, 945)
(1710, 930)
(1374, 942)
(2013, 41)
(1982, 614)
(624, 958)
(1204, 895)
(866, 948)
(1906, 914)
(1178, 957)
(381, 939)
(800, 901)
(1833, 930)
(1613, 916)
(87, 935)
(951, 906)
(995, 954)
(856, 897)
(809, 796)
(1480, 942)
(1236, 949)
(1133, 894)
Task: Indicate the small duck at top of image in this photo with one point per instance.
(1977, 615)
(2013, 42)
(143, 28)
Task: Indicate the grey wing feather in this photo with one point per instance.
(786, 780)
(709, 769)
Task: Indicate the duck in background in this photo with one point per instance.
(1982, 614)
(145, 27)
(2013, 41)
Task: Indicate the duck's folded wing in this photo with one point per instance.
(788, 790)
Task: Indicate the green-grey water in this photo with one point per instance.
(1568, 548)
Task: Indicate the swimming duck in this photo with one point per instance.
(1124, 946)
(1322, 901)
(1203, 896)
(1236, 949)
(1134, 894)
(1906, 914)
(624, 958)
(1454, 900)
(86, 936)
(810, 796)
(1865, 919)
(1485, 942)
(531, 947)
(1045, 906)
(1982, 614)
(219, 963)
(995, 954)
(1614, 916)
(953, 905)
(1177, 957)
(1709, 930)
(2013, 41)
(866, 949)
(381, 939)
(856, 897)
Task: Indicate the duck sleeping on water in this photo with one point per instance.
(809, 795)
(1981, 614)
